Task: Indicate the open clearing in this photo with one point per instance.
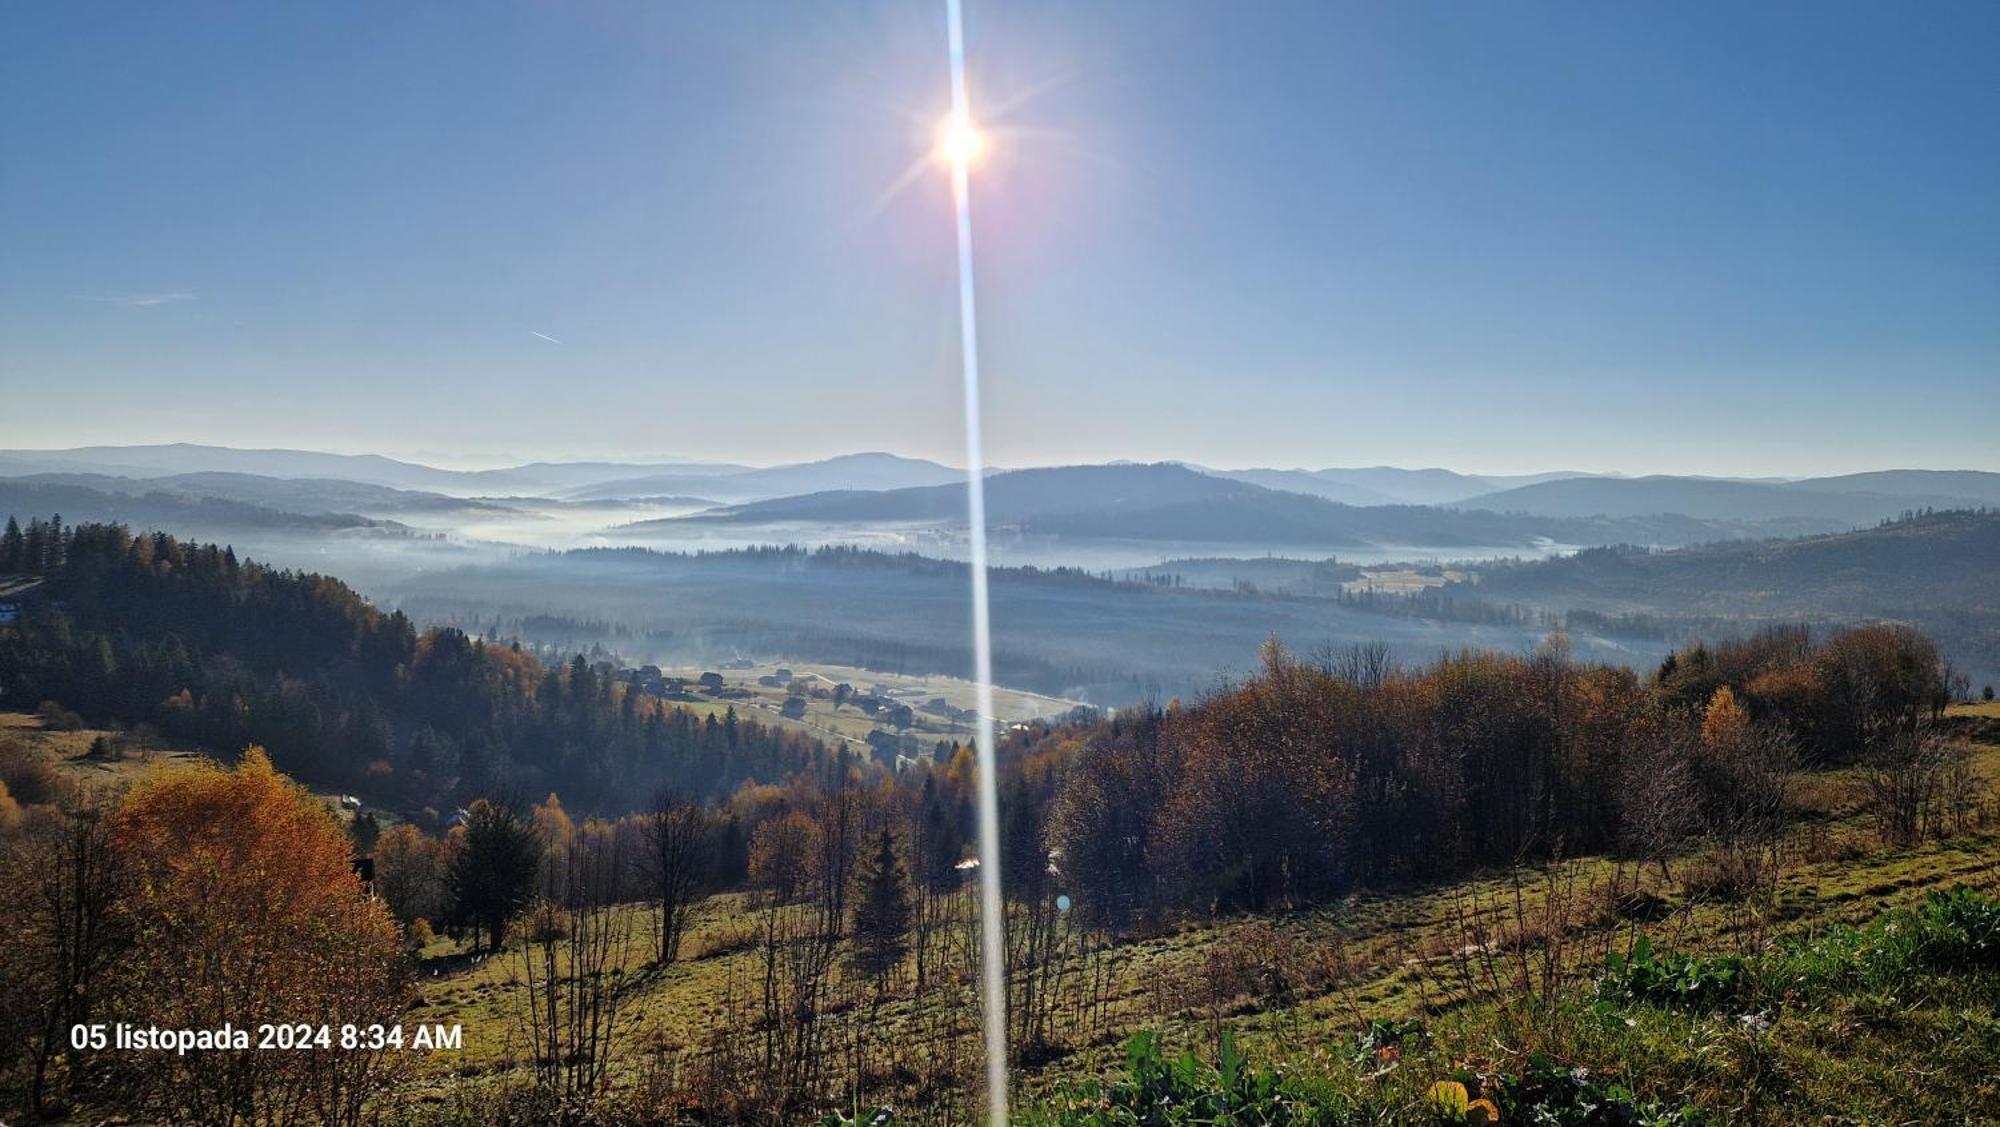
(1387, 955)
(759, 691)
(1286, 984)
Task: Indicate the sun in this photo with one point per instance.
(959, 142)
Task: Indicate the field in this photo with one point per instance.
(1290, 986)
(1404, 581)
(1495, 965)
(758, 689)
(131, 756)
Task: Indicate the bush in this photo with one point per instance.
(56, 718)
(1957, 929)
(1264, 964)
(418, 936)
(1727, 875)
(1670, 978)
(1157, 1091)
(31, 780)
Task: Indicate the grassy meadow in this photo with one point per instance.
(1498, 970)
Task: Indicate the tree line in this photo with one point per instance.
(187, 638)
(1319, 775)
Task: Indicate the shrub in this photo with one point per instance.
(56, 718)
(1956, 929)
(1262, 963)
(1670, 978)
(31, 780)
(418, 936)
(1729, 874)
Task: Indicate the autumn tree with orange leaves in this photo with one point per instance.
(244, 909)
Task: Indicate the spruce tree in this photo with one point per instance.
(881, 915)
(492, 875)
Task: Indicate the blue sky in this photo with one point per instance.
(1714, 238)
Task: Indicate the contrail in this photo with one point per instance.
(992, 943)
(544, 336)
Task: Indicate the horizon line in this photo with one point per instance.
(479, 464)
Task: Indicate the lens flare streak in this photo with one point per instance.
(962, 145)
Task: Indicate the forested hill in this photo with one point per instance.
(141, 503)
(226, 652)
(1171, 502)
(1933, 570)
(1060, 632)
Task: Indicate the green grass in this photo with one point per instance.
(1674, 1032)
(1894, 1021)
(848, 723)
(1858, 1006)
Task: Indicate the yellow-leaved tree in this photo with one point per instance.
(245, 910)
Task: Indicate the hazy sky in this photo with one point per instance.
(1651, 237)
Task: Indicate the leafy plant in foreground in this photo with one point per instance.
(1670, 978)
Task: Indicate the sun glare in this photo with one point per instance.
(959, 142)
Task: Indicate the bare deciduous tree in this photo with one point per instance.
(64, 934)
(678, 847)
(1920, 784)
(573, 965)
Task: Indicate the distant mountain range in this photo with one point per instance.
(305, 495)
(583, 481)
(374, 469)
(1166, 501)
(849, 471)
(1853, 500)
(162, 510)
(1322, 509)
(451, 541)
(1386, 485)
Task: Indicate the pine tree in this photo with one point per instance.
(492, 875)
(881, 915)
(12, 547)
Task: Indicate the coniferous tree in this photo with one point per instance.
(12, 546)
(881, 914)
(493, 874)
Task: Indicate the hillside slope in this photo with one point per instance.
(182, 512)
(1166, 501)
(1828, 500)
(1936, 571)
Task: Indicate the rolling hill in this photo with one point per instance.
(1971, 485)
(1859, 499)
(288, 494)
(160, 509)
(1166, 501)
(1055, 632)
(870, 471)
(181, 458)
(1385, 485)
(1936, 572)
